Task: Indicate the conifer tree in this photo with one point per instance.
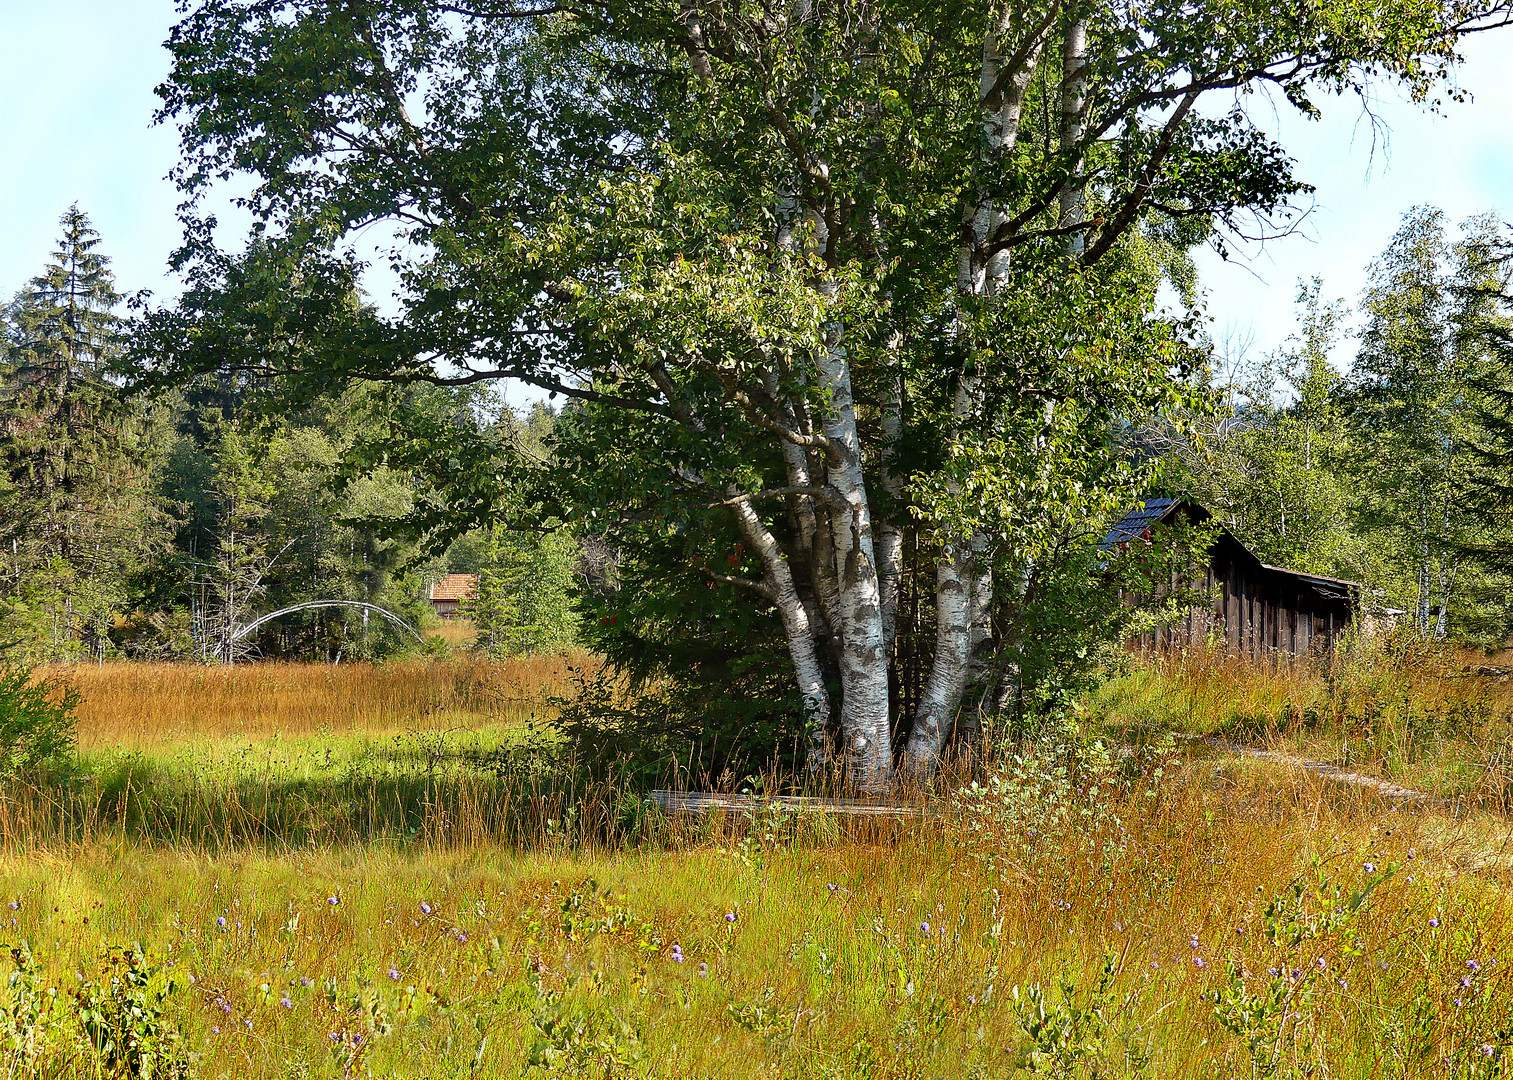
(1408, 399)
(75, 508)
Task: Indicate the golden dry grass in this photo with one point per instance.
(148, 704)
(468, 917)
(890, 952)
(458, 633)
(1407, 712)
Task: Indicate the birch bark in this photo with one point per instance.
(797, 626)
(864, 669)
(1073, 126)
(963, 572)
(890, 538)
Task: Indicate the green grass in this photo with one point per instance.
(1402, 711)
(1088, 915)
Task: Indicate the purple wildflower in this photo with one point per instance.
(333, 901)
(1434, 923)
(924, 928)
(730, 916)
(1198, 962)
(1369, 867)
(220, 920)
(703, 971)
(394, 973)
(285, 1002)
(1473, 965)
(425, 908)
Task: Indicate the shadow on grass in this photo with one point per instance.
(408, 796)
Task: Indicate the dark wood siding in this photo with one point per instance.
(1256, 611)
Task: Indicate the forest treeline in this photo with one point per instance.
(159, 527)
(156, 526)
(864, 321)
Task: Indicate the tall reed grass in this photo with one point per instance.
(1068, 917)
(143, 704)
(1419, 714)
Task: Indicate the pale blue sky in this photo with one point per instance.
(77, 77)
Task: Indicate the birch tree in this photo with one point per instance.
(824, 269)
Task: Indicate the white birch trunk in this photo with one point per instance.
(1073, 126)
(864, 668)
(960, 577)
(797, 626)
(890, 538)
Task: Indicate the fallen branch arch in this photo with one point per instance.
(310, 604)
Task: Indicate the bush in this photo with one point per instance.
(36, 721)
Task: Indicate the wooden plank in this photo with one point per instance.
(1250, 619)
(1273, 619)
(703, 802)
(1231, 615)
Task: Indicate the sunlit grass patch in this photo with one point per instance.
(1144, 917)
(1419, 716)
(140, 704)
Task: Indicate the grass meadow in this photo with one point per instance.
(282, 871)
(1421, 716)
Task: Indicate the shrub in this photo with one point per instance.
(37, 721)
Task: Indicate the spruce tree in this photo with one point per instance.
(75, 509)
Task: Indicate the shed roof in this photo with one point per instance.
(455, 587)
(1138, 523)
(1161, 510)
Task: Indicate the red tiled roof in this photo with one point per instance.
(455, 587)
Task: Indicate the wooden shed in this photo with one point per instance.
(1256, 610)
(451, 595)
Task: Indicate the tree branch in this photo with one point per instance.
(746, 583)
(822, 492)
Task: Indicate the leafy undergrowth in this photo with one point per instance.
(1103, 917)
(1402, 710)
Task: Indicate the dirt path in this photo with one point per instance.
(1385, 788)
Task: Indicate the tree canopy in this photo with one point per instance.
(852, 296)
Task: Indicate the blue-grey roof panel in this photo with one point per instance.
(1137, 522)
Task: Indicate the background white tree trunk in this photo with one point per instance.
(963, 575)
(1073, 125)
(797, 627)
